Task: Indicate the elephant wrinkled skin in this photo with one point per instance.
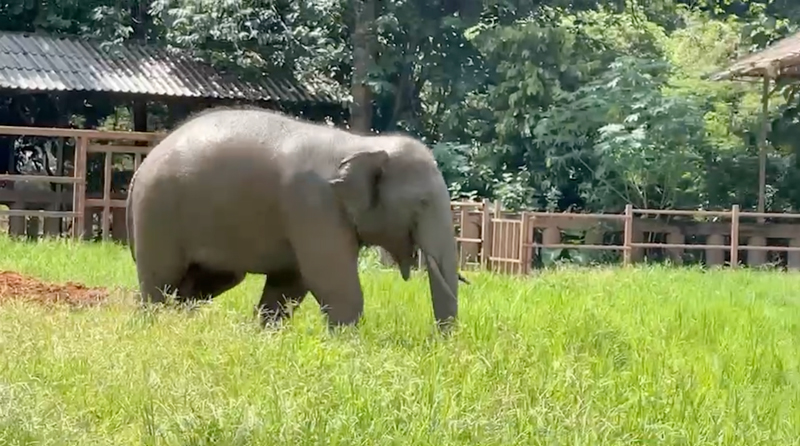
(236, 191)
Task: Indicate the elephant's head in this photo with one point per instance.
(396, 198)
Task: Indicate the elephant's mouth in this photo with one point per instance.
(405, 268)
(403, 255)
(404, 262)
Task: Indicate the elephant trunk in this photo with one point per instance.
(438, 245)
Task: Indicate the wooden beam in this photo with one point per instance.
(36, 213)
(101, 148)
(99, 202)
(40, 179)
(77, 133)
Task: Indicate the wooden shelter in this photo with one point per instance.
(84, 71)
(772, 65)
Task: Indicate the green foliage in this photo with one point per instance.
(545, 104)
(644, 148)
(598, 108)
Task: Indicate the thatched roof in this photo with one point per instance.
(783, 57)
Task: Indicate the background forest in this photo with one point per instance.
(549, 104)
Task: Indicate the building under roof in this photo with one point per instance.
(775, 63)
(41, 63)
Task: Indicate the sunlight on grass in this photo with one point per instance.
(573, 356)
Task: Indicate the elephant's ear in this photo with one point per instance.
(357, 180)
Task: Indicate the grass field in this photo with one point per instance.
(569, 357)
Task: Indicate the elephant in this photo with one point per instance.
(245, 190)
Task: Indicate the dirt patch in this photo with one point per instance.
(15, 286)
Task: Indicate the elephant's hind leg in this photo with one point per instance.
(160, 261)
(159, 275)
(281, 292)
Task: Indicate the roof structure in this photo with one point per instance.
(779, 60)
(33, 62)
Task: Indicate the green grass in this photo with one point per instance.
(581, 357)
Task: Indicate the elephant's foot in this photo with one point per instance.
(342, 314)
(155, 288)
(282, 292)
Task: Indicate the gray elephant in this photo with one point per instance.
(236, 191)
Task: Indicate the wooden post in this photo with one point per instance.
(119, 227)
(105, 230)
(627, 235)
(464, 221)
(498, 248)
(52, 226)
(486, 234)
(79, 189)
(762, 141)
(735, 236)
(471, 229)
(88, 222)
(523, 241)
(16, 224)
(531, 239)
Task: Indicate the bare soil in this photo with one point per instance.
(16, 286)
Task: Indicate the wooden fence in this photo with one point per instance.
(107, 143)
(493, 239)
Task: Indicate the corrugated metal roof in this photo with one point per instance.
(783, 56)
(46, 63)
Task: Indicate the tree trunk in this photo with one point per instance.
(364, 46)
(363, 59)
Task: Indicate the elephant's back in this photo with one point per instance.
(215, 181)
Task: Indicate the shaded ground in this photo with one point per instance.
(18, 286)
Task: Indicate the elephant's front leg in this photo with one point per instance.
(330, 270)
(326, 251)
(281, 291)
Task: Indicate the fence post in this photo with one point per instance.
(627, 235)
(499, 248)
(79, 189)
(105, 226)
(464, 220)
(523, 244)
(735, 236)
(486, 234)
